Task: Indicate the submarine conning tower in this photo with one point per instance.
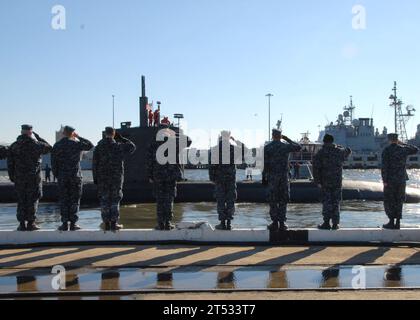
(142, 137)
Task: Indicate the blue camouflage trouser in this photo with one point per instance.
(278, 197)
(110, 196)
(165, 193)
(226, 195)
(29, 192)
(331, 198)
(394, 198)
(70, 192)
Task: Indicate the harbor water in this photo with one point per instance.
(355, 214)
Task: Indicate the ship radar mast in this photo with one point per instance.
(349, 112)
(305, 137)
(279, 124)
(401, 117)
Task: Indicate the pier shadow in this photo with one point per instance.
(331, 275)
(38, 255)
(159, 261)
(368, 257)
(220, 260)
(290, 258)
(412, 260)
(76, 263)
(20, 252)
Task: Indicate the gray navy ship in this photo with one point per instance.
(366, 141)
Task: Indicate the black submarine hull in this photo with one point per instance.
(195, 192)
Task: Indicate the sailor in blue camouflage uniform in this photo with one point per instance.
(65, 161)
(164, 171)
(3, 152)
(395, 177)
(24, 166)
(108, 175)
(328, 175)
(222, 171)
(276, 176)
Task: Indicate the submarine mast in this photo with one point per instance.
(144, 101)
(400, 118)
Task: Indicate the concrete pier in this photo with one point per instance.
(228, 272)
(203, 233)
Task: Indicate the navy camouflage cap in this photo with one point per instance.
(109, 130)
(328, 138)
(393, 136)
(69, 129)
(276, 132)
(27, 127)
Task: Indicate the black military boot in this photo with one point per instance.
(160, 226)
(325, 226)
(398, 224)
(22, 227)
(390, 225)
(283, 226)
(32, 227)
(335, 227)
(229, 225)
(74, 227)
(64, 227)
(274, 226)
(116, 227)
(169, 226)
(107, 226)
(221, 226)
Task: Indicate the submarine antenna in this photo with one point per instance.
(144, 101)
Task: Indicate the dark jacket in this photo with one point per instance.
(108, 160)
(165, 171)
(66, 156)
(276, 159)
(328, 165)
(224, 162)
(394, 162)
(24, 159)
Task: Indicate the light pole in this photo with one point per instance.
(178, 116)
(269, 96)
(113, 111)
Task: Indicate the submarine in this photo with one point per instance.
(138, 190)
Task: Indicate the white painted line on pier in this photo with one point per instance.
(92, 236)
(207, 235)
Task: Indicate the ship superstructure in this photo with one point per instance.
(358, 134)
(366, 141)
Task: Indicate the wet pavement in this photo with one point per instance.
(124, 271)
(247, 278)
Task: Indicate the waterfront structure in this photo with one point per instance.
(366, 141)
